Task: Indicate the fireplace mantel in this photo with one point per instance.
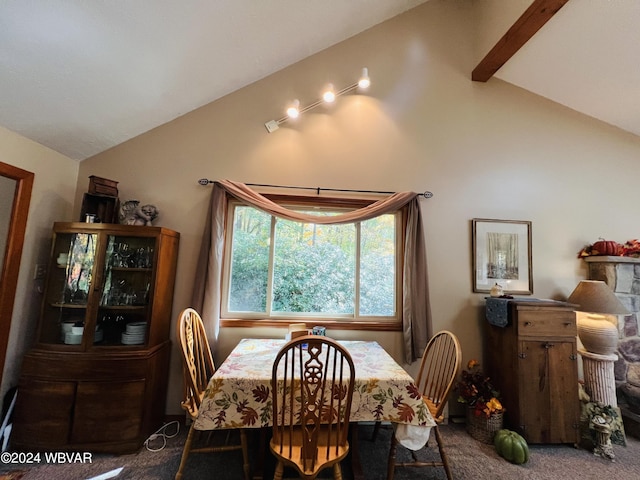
(610, 259)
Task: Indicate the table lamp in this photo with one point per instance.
(599, 336)
(596, 301)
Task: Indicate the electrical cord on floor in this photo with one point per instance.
(162, 434)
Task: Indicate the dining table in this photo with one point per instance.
(238, 394)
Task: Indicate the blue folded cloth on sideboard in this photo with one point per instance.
(497, 308)
(497, 311)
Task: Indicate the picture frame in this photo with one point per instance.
(501, 251)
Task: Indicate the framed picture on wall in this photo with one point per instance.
(501, 251)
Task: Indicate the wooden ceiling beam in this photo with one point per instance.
(532, 20)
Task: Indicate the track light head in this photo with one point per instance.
(364, 81)
(293, 111)
(329, 94)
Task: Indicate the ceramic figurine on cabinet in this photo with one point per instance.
(496, 290)
(127, 212)
(131, 213)
(145, 215)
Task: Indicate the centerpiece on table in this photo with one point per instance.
(484, 410)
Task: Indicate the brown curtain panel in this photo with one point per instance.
(416, 312)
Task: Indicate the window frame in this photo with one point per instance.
(341, 321)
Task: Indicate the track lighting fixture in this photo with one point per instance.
(328, 96)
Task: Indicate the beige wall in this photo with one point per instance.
(52, 199)
(485, 150)
(492, 19)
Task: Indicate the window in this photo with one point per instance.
(280, 269)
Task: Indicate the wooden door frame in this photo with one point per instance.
(13, 250)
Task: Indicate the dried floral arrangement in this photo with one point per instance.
(476, 390)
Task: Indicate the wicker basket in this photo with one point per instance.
(482, 428)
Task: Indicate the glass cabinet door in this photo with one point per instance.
(99, 290)
(124, 301)
(68, 289)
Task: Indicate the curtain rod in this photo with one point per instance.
(426, 194)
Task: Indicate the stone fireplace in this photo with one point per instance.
(622, 274)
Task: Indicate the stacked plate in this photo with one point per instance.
(66, 328)
(134, 333)
(71, 338)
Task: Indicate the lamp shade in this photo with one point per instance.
(594, 296)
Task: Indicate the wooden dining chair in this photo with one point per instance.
(439, 368)
(198, 367)
(312, 386)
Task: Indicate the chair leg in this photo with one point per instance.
(337, 471)
(245, 455)
(185, 452)
(391, 465)
(279, 471)
(443, 455)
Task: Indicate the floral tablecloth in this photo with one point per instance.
(239, 393)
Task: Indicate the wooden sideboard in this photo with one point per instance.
(533, 363)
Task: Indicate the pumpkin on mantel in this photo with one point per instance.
(606, 247)
(602, 248)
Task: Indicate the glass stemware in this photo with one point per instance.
(121, 255)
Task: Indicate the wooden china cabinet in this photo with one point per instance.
(533, 363)
(96, 379)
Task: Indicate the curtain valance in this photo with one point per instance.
(244, 193)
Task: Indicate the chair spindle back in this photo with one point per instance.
(312, 389)
(440, 365)
(197, 361)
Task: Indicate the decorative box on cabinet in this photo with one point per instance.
(96, 379)
(533, 363)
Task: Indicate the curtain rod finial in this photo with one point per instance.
(205, 181)
(427, 194)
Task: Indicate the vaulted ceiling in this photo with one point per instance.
(81, 77)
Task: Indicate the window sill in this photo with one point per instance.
(329, 324)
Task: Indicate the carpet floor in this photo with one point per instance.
(469, 459)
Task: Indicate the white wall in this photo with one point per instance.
(52, 200)
(486, 150)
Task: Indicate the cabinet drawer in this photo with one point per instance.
(547, 323)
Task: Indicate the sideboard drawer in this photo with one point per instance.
(546, 323)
